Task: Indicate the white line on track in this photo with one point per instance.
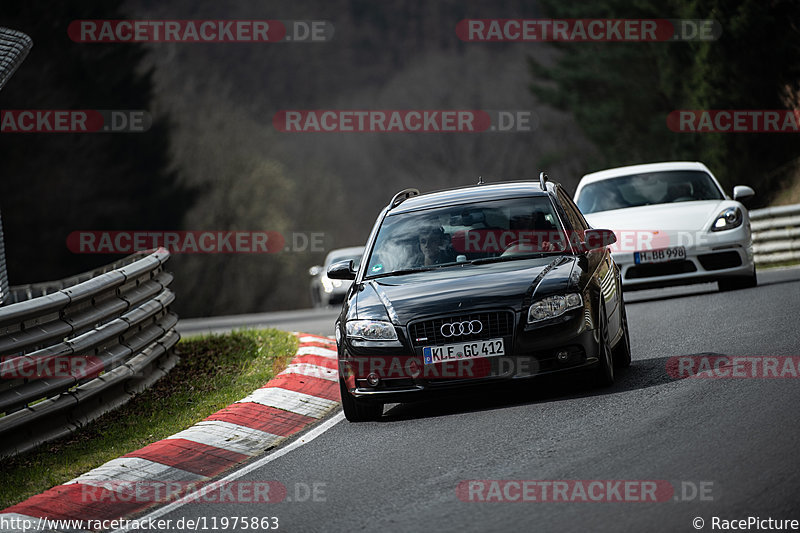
(305, 439)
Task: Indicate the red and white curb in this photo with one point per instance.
(303, 393)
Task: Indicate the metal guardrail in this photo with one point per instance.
(776, 234)
(80, 347)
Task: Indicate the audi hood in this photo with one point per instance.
(489, 286)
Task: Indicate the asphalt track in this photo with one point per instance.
(728, 447)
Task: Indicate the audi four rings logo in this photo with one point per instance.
(468, 327)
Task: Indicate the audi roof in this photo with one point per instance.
(472, 193)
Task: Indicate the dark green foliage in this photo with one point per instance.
(621, 93)
(54, 183)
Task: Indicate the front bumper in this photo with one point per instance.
(709, 257)
(530, 351)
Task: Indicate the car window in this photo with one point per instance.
(574, 215)
(648, 189)
(432, 238)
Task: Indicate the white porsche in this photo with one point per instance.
(674, 224)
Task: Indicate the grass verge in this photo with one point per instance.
(214, 371)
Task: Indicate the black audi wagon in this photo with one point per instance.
(472, 285)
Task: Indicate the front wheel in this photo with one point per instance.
(356, 410)
(604, 374)
(622, 351)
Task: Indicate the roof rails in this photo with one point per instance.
(402, 196)
(543, 180)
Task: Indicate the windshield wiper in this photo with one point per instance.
(402, 271)
(502, 258)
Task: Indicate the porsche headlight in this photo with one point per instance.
(728, 219)
(329, 284)
(553, 306)
(371, 330)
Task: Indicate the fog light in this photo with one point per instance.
(373, 380)
(562, 356)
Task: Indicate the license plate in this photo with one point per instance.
(463, 350)
(676, 253)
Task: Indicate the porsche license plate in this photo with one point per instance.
(675, 253)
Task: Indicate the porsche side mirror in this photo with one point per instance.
(743, 192)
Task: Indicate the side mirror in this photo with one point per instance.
(743, 192)
(594, 239)
(316, 270)
(342, 270)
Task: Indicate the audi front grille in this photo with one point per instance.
(461, 328)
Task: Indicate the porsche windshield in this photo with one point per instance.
(647, 189)
(496, 230)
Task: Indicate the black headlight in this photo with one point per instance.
(553, 306)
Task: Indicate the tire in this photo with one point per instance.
(739, 282)
(358, 410)
(622, 351)
(604, 374)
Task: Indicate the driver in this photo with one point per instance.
(434, 247)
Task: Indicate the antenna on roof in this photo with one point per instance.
(543, 180)
(480, 180)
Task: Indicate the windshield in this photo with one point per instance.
(647, 189)
(497, 230)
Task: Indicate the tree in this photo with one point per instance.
(621, 93)
(56, 183)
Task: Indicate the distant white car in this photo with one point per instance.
(674, 224)
(326, 291)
